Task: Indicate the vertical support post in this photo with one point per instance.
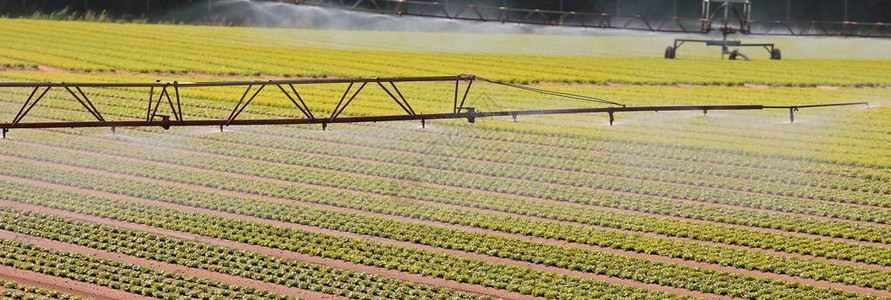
(455, 103)
(179, 107)
(466, 91)
(148, 111)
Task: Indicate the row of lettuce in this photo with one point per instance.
(428, 263)
(542, 253)
(481, 179)
(121, 276)
(211, 51)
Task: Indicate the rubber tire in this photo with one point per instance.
(776, 54)
(669, 52)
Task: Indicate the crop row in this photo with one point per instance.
(229, 56)
(437, 194)
(621, 141)
(609, 146)
(666, 181)
(802, 185)
(13, 290)
(121, 276)
(803, 207)
(785, 225)
(695, 178)
(758, 144)
(581, 234)
(584, 260)
(427, 263)
(219, 259)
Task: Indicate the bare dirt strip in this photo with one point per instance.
(712, 204)
(314, 229)
(841, 286)
(211, 189)
(877, 244)
(465, 287)
(168, 267)
(65, 285)
(337, 208)
(49, 69)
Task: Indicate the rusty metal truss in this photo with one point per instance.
(705, 24)
(167, 93)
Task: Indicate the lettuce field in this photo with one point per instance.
(661, 205)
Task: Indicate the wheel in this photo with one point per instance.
(775, 54)
(669, 52)
(733, 55)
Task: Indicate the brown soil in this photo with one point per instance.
(340, 264)
(756, 86)
(522, 237)
(70, 286)
(215, 190)
(876, 244)
(466, 287)
(168, 267)
(278, 181)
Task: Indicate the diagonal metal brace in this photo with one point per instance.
(339, 109)
(404, 105)
(26, 108)
(239, 107)
(301, 106)
(86, 103)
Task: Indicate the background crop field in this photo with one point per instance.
(728, 205)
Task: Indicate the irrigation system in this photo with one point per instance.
(725, 16)
(167, 94)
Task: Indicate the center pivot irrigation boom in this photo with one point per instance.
(168, 96)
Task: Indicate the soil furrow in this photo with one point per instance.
(711, 204)
(65, 285)
(343, 209)
(167, 267)
(494, 232)
(470, 288)
(377, 240)
(279, 181)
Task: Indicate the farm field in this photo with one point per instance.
(728, 205)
